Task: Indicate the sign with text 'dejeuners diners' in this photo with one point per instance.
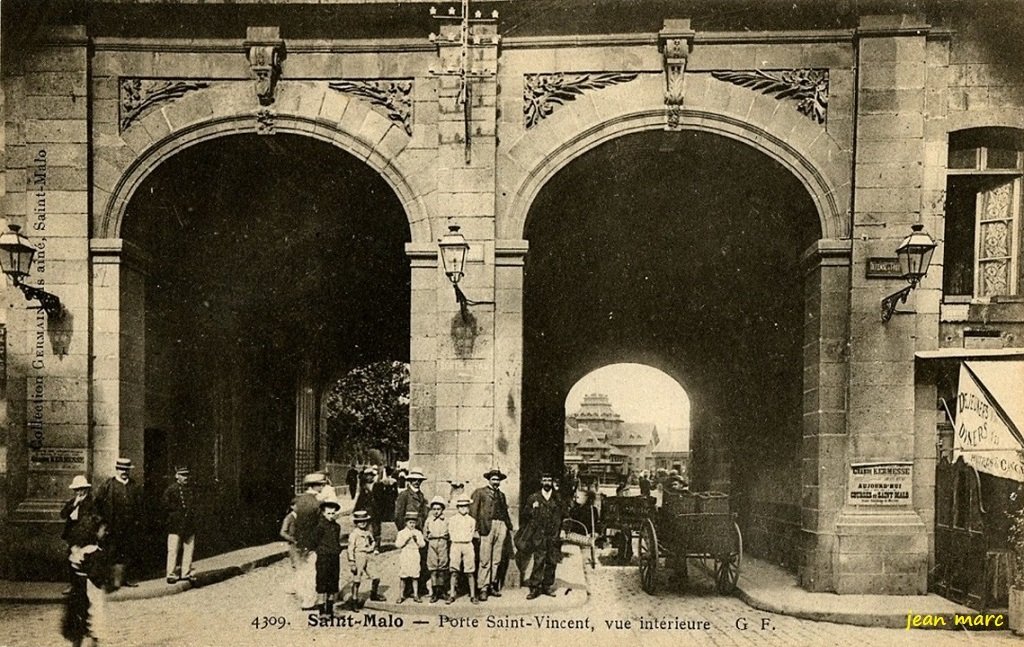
(881, 484)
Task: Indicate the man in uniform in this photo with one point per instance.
(412, 499)
(542, 521)
(179, 501)
(119, 502)
(490, 509)
(307, 515)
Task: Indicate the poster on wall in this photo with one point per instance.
(881, 484)
(58, 459)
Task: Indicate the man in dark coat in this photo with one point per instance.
(307, 515)
(373, 500)
(119, 503)
(412, 499)
(542, 521)
(77, 510)
(352, 480)
(493, 523)
(180, 504)
(645, 484)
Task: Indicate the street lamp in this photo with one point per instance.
(915, 255)
(453, 255)
(16, 255)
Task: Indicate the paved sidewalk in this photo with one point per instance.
(770, 588)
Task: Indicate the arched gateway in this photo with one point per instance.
(848, 114)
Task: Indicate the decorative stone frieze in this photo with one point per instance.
(543, 92)
(675, 40)
(808, 87)
(139, 95)
(265, 51)
(393, 97)
(265, 122)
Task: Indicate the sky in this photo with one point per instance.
(639, 393)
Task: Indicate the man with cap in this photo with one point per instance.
(307, 515)
(76, 513)
(493, 523)
(542, 521)
(362, 547)
(412, 499)
(436, 533)
(179, 503)
(119, 501)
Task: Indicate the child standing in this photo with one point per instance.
(409, 540)
(91, 570)
(361, 549)
(327, 544)
(436, 534)
(288, 534)
(461, 530)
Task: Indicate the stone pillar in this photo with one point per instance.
(884, 548)
(826, 306)
(118, 376)
(453, 359)
(508, 361)
(47, 188)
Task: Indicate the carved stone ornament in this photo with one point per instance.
(265, 51)
(543, 92)
(809, 87)
(675, 41)
(393, 97)
(139, 95)
(265, 122)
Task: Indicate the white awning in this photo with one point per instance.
(990, 417)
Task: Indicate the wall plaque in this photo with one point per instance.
(882, 267)
(57, 459)
(880, 484)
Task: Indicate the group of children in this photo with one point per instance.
(448, 542)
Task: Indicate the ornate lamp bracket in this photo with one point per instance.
(675, 41)
(265, 51)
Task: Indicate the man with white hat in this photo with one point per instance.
(179, 502)
(119, 502)
(307, 515)
(76, 513)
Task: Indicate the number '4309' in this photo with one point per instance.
(269, 622)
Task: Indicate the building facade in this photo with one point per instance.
(788, 150)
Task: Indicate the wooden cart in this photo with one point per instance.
(691, 526)
(627, 515)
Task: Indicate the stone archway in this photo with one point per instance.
(304, 108)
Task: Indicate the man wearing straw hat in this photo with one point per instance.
(493, 523)
(118, 502)
(179, 502)
(76, 514)
(307, 515)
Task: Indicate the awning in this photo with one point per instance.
(969, 353)
(990, 417)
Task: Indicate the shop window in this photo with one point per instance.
(983, 213)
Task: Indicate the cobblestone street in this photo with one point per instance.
(223, 614)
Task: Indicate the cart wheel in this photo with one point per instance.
(648, 557)
(727, 567)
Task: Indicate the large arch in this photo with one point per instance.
(304, 108)
(828, 200)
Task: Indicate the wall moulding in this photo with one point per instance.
(391, 97)
(809, 87)
(137, 95)
(543, 92)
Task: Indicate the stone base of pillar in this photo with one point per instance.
(816, 567)
(881, 553)
(41, 554)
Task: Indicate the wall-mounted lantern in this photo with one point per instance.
(915, 255)
(16, 256)
(453, 249)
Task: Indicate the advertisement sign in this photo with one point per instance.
(57, 459)
(984, 434)
(881, 484)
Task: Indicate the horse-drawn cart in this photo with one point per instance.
(626, 515)
(691, 525)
